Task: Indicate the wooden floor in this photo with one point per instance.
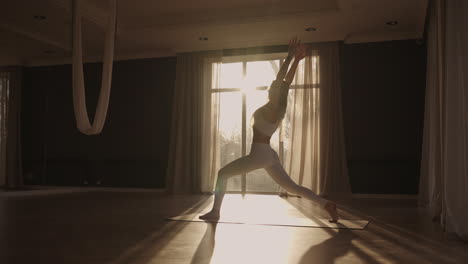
(97, 226)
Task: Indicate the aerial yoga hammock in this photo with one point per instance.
(79, 96)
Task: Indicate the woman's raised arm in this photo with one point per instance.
(291, 51)
(299, 54)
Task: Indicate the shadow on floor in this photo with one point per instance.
(329, 250)
(206, 247)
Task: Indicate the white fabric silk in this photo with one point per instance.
(79, 95)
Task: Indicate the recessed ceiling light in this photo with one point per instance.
(49, 51)
(311, 29)
(40, 17)
(203, 38)
(392, 23)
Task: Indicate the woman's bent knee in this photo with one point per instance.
(222, 174)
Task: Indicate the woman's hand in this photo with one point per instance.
(291, 53)
(301, 51)
(292, 46)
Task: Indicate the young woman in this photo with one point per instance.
(266, 120)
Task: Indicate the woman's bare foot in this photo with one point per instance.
(211, 215)
(330, 207)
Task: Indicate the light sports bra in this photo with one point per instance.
(258, 121)
(265, 127)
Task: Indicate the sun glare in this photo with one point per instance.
(258, 75)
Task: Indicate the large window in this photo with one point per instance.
(242, 88)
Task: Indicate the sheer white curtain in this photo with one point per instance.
(4, 83)
(192, 146)
(444, 178)
(301, 126)
(10, 127)
(430, 185)
(316, 156)
(211, 147)
(456, 118)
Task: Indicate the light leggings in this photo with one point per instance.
(261, 156)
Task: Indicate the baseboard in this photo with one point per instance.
(39, 190)
(353, 196)
(90, 188)
(384, 196)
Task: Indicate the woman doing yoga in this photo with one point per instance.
(266, 120)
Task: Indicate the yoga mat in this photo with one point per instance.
(278, 221)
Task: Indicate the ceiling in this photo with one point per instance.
(149, 28)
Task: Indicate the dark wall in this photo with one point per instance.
(383, 106)
(132, 149)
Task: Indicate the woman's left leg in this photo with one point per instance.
(280, 176)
